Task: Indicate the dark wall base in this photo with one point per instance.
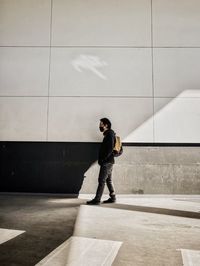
(45, 167)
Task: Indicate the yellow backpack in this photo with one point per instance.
(118, 149)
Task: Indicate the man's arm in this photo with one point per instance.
(108, 148)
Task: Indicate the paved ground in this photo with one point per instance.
(47, 224)
(137, 230)
(154, 230)
(188, 203)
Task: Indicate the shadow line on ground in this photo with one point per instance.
(180, 213)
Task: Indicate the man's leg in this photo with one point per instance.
(104, 172)
(110, 185)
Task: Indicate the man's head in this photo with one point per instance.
(105, 124)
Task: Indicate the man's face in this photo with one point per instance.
(102, 127)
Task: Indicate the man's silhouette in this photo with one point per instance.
(106, 161)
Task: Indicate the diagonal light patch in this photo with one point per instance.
(89, 251)
(172, 111)
(141, 134)
(7, 234)
(58, 257)
(83, 251)
(190, 257)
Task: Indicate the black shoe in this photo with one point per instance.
(110, 200)
(93, 202)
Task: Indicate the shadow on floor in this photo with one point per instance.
(171, 212)
(47, 222)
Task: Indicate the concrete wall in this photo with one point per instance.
(44, 167)
(152, 170)
(71, 168)
(65, 64)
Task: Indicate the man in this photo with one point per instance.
(106, 161)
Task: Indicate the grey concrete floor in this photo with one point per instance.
(154, 230)
(139, 230)
(47, 224)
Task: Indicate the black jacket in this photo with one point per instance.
(106, 149)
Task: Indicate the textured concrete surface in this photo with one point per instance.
(46, 221)
(152, 170)
(133, 231)
(7, 234)
(190, 257)
(178, 205)
(148, 238)
(83, 251)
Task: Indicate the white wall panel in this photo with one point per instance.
(25, 22)
(101, 72)
(77, 119)
(23, 118)
(176, 70)
(94, 22)
(24, 71)
(177, 120)
(106, 79)
(176, 23)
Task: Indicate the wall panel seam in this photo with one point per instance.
(98, 46)
(94, 96)
(49, 80)
(152, 69)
